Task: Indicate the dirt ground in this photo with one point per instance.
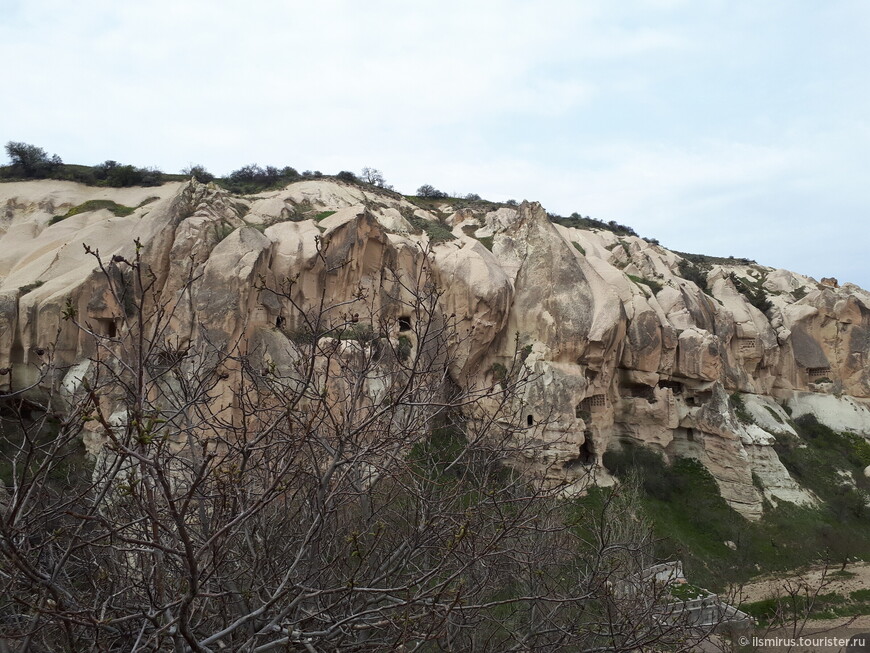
(819, 636)
(764, 588)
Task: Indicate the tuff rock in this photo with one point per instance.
(620, 347)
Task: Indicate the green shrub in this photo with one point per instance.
(499, 372)
(579, 248)
(577, 221)
(30, 161)
(360, 332)
(347, 177)
(403, 348)
(753, 291)
(199, 173)
(251, 179)
(696, 272)
(117, 175)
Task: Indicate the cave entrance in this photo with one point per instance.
(587, 449)
(404, 323)
(107, 326)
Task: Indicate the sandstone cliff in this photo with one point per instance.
(623, 344)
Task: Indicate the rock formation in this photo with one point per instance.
(621, 342)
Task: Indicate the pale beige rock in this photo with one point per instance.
(658, 365)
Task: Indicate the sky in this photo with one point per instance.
(720, 127)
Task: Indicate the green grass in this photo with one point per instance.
(323, 214)
(579, 248)
(23, 290)
(655, 286)
(739, 407)
(821, 606)
(437, 231)
(687, 592)
(753, 290)
(692, 521)
(95, 205)
(455, 203)
(774, 414)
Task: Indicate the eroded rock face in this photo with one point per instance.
(620, 346)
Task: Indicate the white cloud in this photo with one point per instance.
(664, 114)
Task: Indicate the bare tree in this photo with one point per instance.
(374, 177)
(340, 494)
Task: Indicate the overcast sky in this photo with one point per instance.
(728, 128)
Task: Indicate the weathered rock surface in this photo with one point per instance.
(622, 347)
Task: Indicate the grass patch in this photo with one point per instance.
(753, 291)
(23, 290)
(655, 286)
(455, 203)
(774, 415)
(692, 521)
(323, 214)
(579, 248)
(687, 592)
(95, 205)
(736, 402)
(437, 231)
(821, 606)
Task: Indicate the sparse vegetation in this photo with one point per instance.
(427, 190)
(774, 414)
(694, 271)
(753, 291)
(436, 230)
(94, 205)
(655, 286)
(739, 408)
(403, 348)
(577, 221)
(808, 605)
(347, 176)
(251, 179)
(23, 290)
(30, 162)
(199, 173)
(693, 521)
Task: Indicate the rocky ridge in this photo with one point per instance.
(622, 343)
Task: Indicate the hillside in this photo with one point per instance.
(625, 344)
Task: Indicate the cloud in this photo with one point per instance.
(690, 121)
